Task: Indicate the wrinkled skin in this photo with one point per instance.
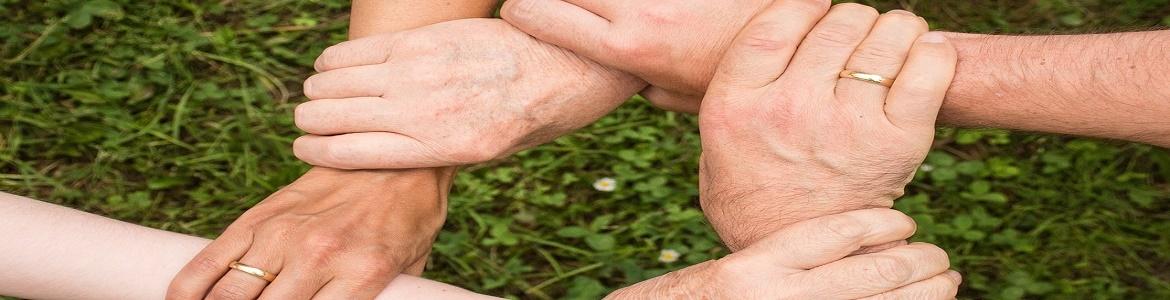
(808, 261)
(454, 93)
(675, 45)
(782, 145)
(331, 234)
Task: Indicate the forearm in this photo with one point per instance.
(53, 252)
(1099, 85)
(681, 284)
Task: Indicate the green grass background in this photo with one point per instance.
(177, 115)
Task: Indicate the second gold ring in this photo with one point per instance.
(254, 271)
(867, 77)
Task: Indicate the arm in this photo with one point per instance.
(53, 252)
(125, 261)
(1098, 85)
(385, 224)
(1090, 85)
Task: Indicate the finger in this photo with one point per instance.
(351, 82)
(299, 281)
(922, 84)
(879, 247)
(364, 51)
(671, 101)
(826, 50)
(351, 115)
(819, 241)
(941, 287)
(367, 150)
(199, 275)
(871, 274)
(763, 49)
(563, 24)
(882, 53)
(419, 266)
(605, 8)
(239, 285)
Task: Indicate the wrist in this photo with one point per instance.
(689, 283)
(749, 217)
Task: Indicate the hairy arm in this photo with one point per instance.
(1098, 85)
(53, 252)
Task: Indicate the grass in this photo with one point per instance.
(177, 115)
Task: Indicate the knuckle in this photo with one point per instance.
(276, 228)
(882, 52)
(766, 37)
(376, 270)
(662, 13)
(320, 248)
(891, 270)
(207, 265)
(835, 34)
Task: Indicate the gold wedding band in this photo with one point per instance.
(254, 271)
(867, 77)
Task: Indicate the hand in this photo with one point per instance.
(674, 45)
(807, 261)
(329, 235)
(454, 93)
(785, 139)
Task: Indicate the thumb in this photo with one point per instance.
(561, 23)
(672, 101)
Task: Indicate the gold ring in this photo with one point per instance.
(254, 271)
(870, 78)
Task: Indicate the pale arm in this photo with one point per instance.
(53, 252)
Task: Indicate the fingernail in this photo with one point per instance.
(932, 38)
(901, 12)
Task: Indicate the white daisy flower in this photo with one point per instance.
(605, 184)
(926, 168)
(668, 256)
